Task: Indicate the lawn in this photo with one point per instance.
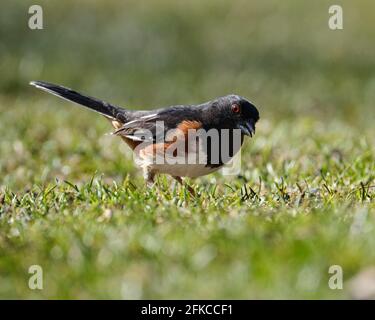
(73, 202)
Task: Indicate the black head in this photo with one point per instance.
(234, 112)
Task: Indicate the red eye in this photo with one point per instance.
(236, 108)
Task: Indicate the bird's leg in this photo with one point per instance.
(180, 181)
(149, 176)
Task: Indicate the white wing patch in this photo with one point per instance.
(138, 131)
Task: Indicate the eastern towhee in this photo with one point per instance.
(161, 138)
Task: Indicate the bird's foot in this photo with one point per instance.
(189, 188)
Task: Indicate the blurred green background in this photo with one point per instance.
(280, 54)
(315, 89)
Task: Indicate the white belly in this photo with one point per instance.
(179, 166)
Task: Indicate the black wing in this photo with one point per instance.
(153, 126)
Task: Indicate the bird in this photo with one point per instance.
(161, 139)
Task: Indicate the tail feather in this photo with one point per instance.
(102, 107)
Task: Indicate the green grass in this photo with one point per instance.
(72, 201)
(271, 233)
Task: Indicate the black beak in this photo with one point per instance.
(247, 127)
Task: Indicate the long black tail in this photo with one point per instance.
(102, 107)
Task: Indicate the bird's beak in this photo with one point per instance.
(247, 127)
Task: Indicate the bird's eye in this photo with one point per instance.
(236, 108)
